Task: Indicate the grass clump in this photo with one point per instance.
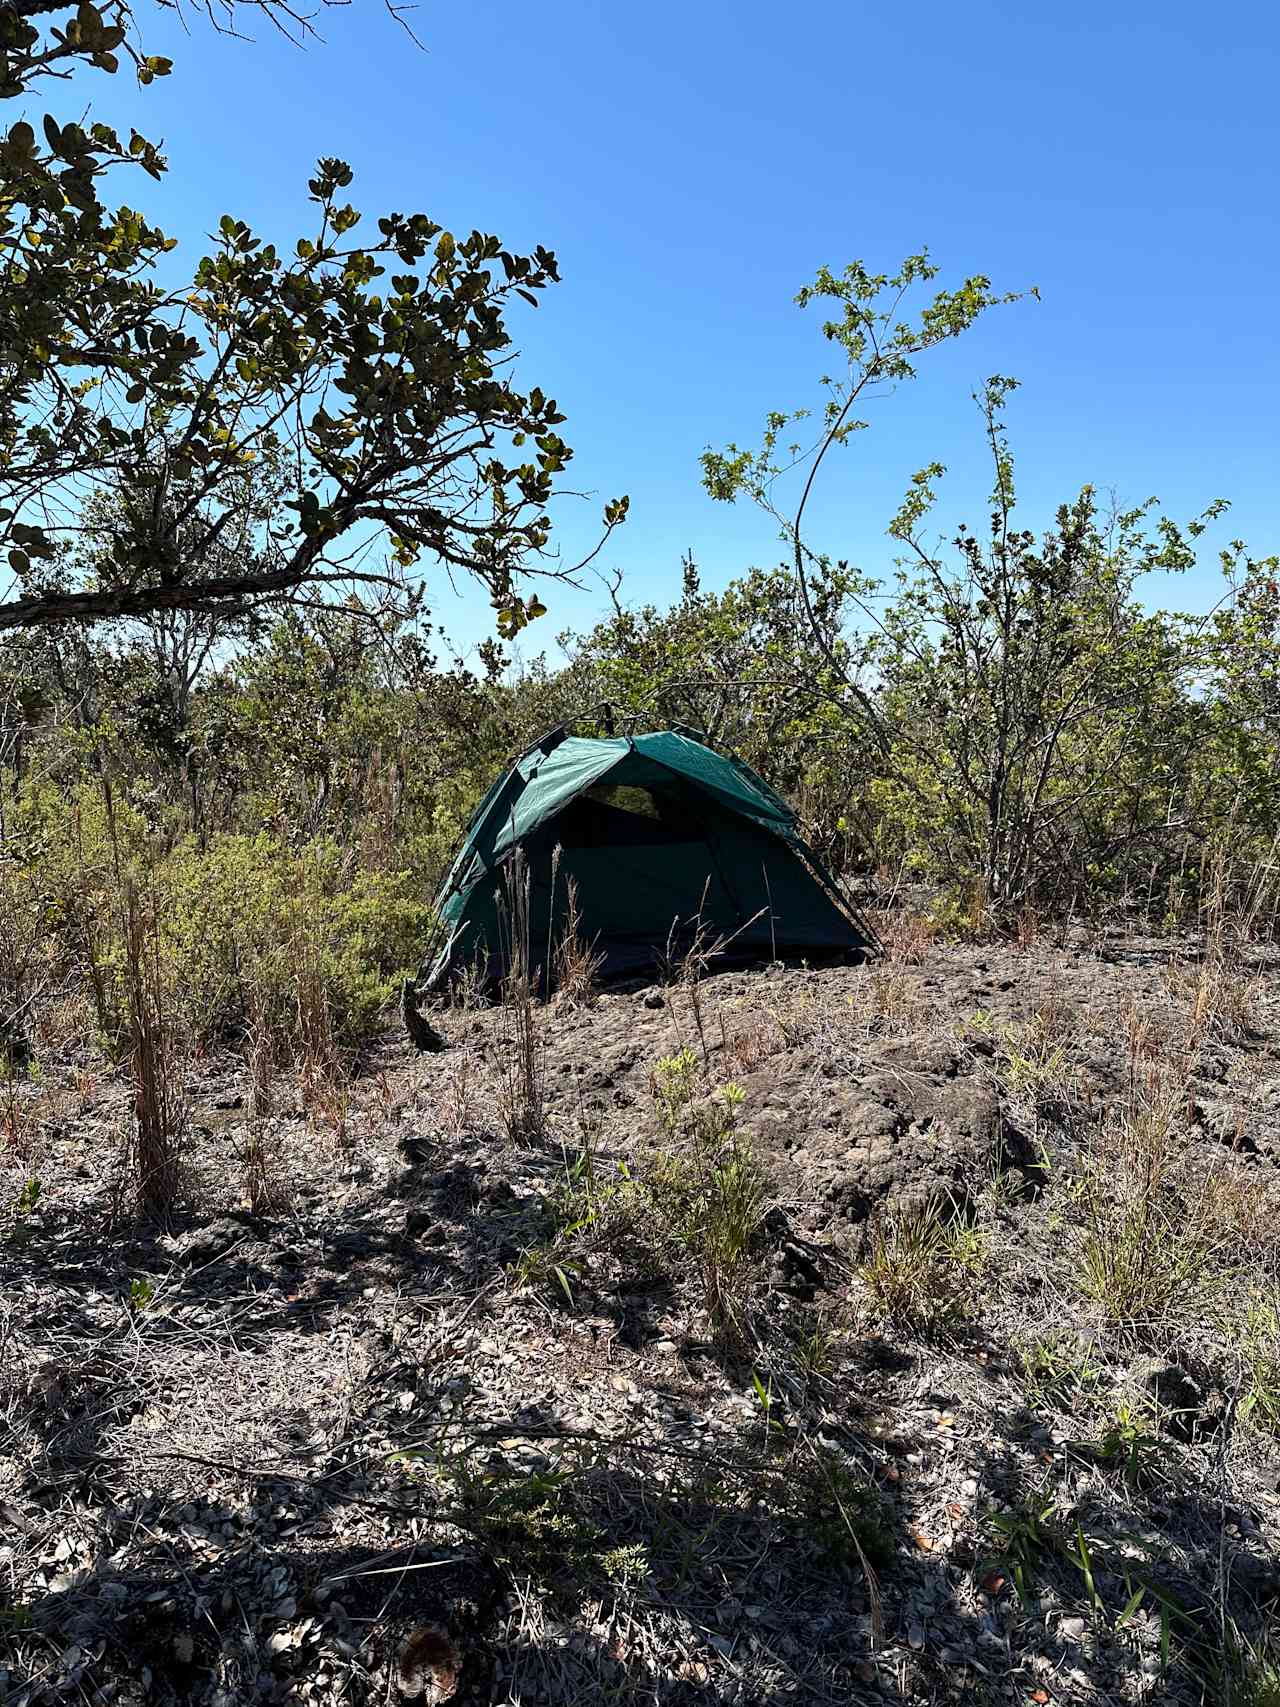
(1259, 1348)
(533, 1523)
(1030, 1056)
(705, 1187)
(1242, 1670)
(1129, 1446)
(1154, 1240)
(1057, 1370)
(575, 961)
(847, 1520)
(523, 1058)
(923, 1271)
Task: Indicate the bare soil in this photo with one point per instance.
(416, 1432)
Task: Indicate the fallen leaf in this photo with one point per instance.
(429, 1665)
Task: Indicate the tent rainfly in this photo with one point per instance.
(663, 836)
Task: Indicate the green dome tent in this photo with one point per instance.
(662, 835)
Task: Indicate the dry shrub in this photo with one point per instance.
(690, 951)
(1027, 927)
(750, 1048)
(26, 975)
(1237, 908)
(1058, 1018)
(888, 999)
(259, 1154)
(1222, 1001)
(18, 1121)
(324, 1077)
(458, 1101)
(259, 1150)
(261, 1057)
(468, 988)
(1247, 1213)
(907, 937)
(62, 1023)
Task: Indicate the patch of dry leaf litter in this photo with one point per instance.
(340, 1454)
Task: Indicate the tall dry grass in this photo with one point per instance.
(522, 1056)
(575, 961)
(157, 1059)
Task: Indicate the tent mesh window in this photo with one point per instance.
(616, 815)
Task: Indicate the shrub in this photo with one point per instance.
(236, 916)
(246, 912)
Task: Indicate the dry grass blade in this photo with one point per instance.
(522, 1062)
(156, 1059)
(1155, 1241)
(1237, 908)
(575, 962)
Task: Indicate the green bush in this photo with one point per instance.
(246, 912)
(238, 917)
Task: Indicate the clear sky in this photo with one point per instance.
(692, 165)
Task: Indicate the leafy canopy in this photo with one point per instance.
(377, 372)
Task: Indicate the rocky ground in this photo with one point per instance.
(973, 1397)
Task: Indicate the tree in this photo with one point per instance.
(880, 344)
(1027, 726)
(1040, 725)
(1237, 656)
(378, 373)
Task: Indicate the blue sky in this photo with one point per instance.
(693, 165)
